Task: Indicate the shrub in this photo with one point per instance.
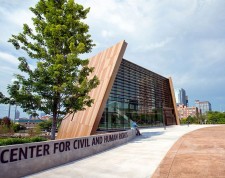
(13, 141)
(6, 122)
(190, 119)
(6, 130)
(46, 125)
(183, 121)
(16, 127)
(34, 131)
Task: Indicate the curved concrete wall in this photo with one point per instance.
(24, 159)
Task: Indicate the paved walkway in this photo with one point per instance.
(136, 159)
(199, 154)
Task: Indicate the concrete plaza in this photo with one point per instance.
(138, 158)
(198, 154)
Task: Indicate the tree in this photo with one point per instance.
(45, 125)
(215, 117)
(60, 83)
(190, 120)
(6, 122)
(16, 127)
(6, 126)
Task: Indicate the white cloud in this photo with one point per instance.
(15, 17)
(8, 58)
(32, 66)
(107, 34)
(154, 46)
(13, 14)
(13, 80)
(183, 39)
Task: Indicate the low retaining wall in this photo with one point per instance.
(24, 159)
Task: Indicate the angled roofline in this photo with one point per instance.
(85, 123)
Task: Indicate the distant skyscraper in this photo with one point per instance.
(17, 114)
(203, 106)
(186, 100)
(182, 98)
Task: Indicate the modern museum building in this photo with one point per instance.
(127, 92)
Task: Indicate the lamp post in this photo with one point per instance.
(15, 112)
(11, 101)
(9, 110)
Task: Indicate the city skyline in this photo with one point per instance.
(182, 97)
(184, 40)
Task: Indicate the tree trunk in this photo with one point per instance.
(54, 119)
(53, 128)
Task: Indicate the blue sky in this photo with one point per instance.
(184, 39)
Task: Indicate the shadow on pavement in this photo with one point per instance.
(145, 136)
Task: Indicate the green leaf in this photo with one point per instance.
(60, 81)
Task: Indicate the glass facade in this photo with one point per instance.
(182, 98)
(203, 106)
(138, 95)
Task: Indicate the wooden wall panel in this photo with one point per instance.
(85, 123)
(174, 101)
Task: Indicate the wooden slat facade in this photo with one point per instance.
(174, 101)
(85, 123)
